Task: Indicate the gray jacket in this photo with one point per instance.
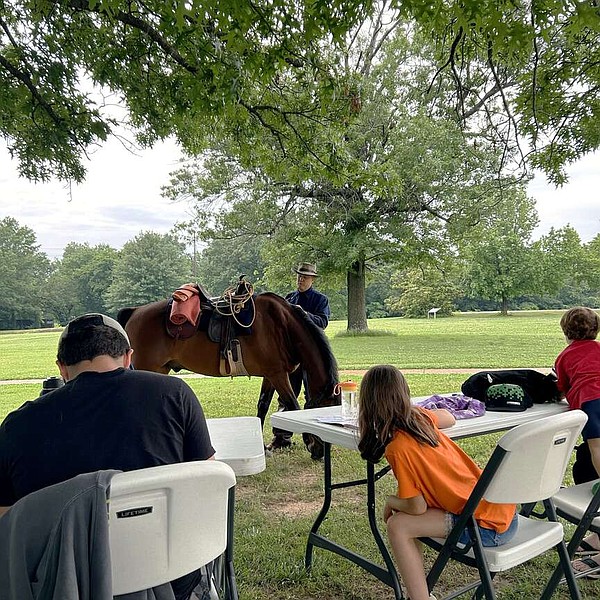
(54, 544)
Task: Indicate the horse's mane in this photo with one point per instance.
(318, 335)
(124, 315)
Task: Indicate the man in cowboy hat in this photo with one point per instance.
(315, 304)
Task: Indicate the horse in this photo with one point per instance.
(282, 339)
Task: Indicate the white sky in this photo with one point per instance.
(121, 198)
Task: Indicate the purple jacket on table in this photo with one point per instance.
(314, 303)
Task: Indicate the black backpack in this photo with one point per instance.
(537, 387)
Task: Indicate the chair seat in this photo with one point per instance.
(533, 538)
(574, 500)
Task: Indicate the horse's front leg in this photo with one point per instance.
(264, 400)
(287, 401)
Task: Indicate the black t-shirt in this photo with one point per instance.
(122, 419)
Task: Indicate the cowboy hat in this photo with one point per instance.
(306, 269)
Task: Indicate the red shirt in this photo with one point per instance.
(444, 475)
(578, 370)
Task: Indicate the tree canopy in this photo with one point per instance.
(529, 68)
(388, 181)
(63, 63)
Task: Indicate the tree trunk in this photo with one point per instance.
(504, 305)
(357, 310)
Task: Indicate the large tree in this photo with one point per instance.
(501, 260)
(174, 65)
(388, 181)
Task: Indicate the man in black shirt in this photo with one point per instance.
(106, 416)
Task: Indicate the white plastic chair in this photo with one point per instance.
(167, 521)
(527, 466)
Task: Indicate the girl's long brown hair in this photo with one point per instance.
(385, 408)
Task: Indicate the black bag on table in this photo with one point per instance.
(537, 387)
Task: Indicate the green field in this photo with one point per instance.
(275, 509)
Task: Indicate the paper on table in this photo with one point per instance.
(339, 420)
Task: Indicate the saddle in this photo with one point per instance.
(223, 318)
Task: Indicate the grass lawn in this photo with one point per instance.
(275, 509)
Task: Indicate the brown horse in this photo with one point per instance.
(282, 339)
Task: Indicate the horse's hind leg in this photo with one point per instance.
(287, 401)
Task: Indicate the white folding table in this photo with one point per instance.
(238, 441)
(306, 421)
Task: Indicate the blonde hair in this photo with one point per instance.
(385, 408)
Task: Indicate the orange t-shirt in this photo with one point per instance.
(445, 476)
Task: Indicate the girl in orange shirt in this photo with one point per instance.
(435, 477)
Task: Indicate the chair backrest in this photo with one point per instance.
(166, 521)
(536, 458)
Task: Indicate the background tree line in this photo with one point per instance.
(496, 267)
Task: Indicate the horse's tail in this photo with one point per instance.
(124, 315)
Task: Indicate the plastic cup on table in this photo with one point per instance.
(349, 399)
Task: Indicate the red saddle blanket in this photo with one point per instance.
(186, 305)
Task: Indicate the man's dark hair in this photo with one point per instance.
(86, 343)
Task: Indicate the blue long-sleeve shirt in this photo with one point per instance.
(314, 303)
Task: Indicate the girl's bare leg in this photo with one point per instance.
(403, 530)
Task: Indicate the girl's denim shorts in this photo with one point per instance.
(489, 537)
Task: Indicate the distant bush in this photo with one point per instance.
(368, 333)
(528, 306)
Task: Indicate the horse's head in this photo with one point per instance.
(313, 443)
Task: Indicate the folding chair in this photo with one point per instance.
(527, 466)
(167, 521)
(576, 504)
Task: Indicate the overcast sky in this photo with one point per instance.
(121, 198)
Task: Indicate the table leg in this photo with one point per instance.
(388, 575)
(324, 509)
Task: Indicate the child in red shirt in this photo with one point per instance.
(435, 477)
(578, 371)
